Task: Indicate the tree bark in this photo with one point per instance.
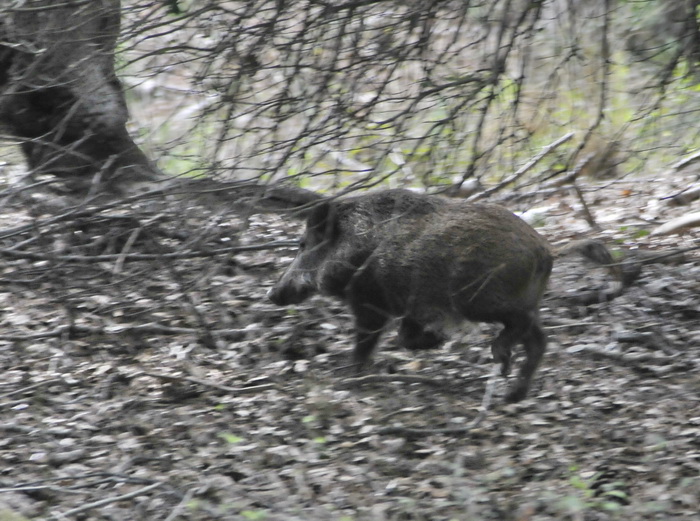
(60, 96)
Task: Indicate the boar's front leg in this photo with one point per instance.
(369, 324)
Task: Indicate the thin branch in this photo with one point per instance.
(231, 390)
(641, 363)
(31, 387)
(586, 210)
(405, 378)
(106, 501)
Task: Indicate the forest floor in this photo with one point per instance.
(146, 377)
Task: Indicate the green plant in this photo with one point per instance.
(593, 493)
(230, 438)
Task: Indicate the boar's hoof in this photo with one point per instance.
(427, 340)
(505, 367)
(359, 366)
(505, 361)
(516, 393)
(414, 337)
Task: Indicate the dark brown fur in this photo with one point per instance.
(426, 260)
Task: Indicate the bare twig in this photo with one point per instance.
(175, 513)
(586, 210)
(685, 196)
(682, 163)
(571, 175)
(127, 246)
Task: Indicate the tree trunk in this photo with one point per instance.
(60, 96)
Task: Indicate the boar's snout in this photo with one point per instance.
(285, 293)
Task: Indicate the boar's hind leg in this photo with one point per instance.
(370, 325)
(413, 335)
(502, 346)
(534, 342)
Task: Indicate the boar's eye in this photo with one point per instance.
(302, 243)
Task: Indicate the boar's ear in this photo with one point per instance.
(322, 224)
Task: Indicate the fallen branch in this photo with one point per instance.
(682, 163)
(523, 169)
(643, 363)
(206, 383)
(79, 211)
(382, 378)
(405, 410)
(15, 428)
(563, 323)
(686, 196)
(106, 501)
(662, 257)
(120, 257)
(483, 411)
(76, 330)
(31, 387)
(679, 224)
(255, 196)
(37, 488)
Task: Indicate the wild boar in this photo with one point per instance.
(426, 260)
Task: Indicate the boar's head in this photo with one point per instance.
(302, 277)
